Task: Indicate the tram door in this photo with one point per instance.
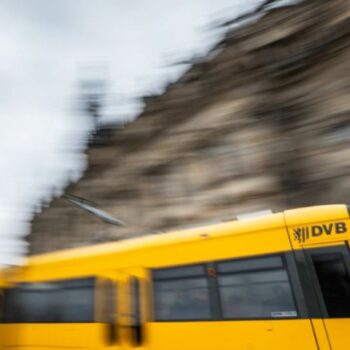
(134, 309)
(331, 271)
(108, 309)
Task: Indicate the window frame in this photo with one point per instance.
(291, 278)
(211, 273)
(205, 275)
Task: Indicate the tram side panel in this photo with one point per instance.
(247, 295)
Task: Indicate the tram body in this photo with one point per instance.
(279, 281)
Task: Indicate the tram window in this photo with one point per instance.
(63, 301)
(251, 264)
(256, 293)
(76, 304)
(179, 272)
(334, 282)
(1, 305)
(10, 306)
(30, 303)
(182, 297)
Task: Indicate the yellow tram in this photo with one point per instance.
(279, 281)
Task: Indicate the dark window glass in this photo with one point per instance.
(75, 304)
(251, 264)
(335, 283)
(256, 294)
(179, 298)
(30, 304)
(10, 309)
(50, 302)
(179, 272)
(2, 291)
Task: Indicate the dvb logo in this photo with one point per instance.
(302, 234)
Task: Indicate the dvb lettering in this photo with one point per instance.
(302, 234)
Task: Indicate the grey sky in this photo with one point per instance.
(43, 46)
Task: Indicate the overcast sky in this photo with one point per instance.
(45, 47)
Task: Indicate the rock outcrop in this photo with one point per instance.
(261, 122)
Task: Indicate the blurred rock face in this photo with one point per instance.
(262, 122)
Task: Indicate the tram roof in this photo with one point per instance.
(179, 236)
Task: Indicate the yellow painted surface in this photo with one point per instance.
(321, 334)
(229, 335)
(87, 335)
(121, 260)
(316, 214)
(338, 330)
